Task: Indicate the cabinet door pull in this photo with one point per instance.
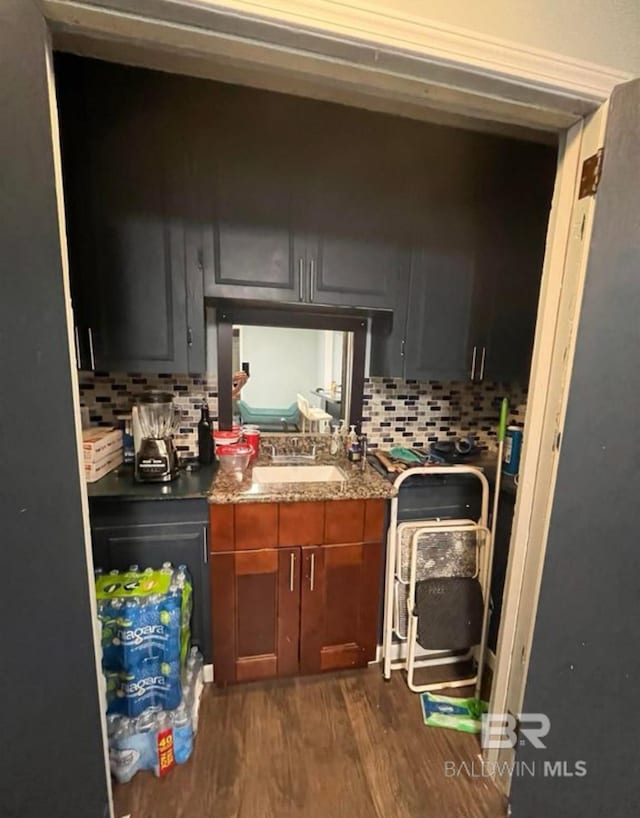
(312, 276)
(402, 345)
(77, 337)
(473, 363)
(482, 360)
(312, 577)
(300, 279)
(189, 337)
(292, 570)
(205, 544)
(91, 356)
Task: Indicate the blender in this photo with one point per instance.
(156, 458)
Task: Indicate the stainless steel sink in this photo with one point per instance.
(298, 474)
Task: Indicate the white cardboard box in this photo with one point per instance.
(99, 442)
(94, 471)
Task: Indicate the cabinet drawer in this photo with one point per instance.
(301, 524)
(256, 526)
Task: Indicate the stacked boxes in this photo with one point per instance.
(102, 449)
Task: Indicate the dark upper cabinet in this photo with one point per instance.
(135, 307)
(244, 169)
(292, 206)
(513, 218)
(440, 295)
(354, 208)
(476, 267)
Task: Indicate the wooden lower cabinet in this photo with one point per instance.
(288, 595)
(282, 611)
(339, 606)
(256, 614)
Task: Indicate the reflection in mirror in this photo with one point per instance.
(297, 378)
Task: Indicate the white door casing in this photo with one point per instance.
(559, 309)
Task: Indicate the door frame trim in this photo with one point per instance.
(395, 58)
(568, 241)
(452, 69)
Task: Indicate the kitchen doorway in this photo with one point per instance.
(559, 307)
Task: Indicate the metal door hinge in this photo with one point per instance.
(556, 441)
(591, 173)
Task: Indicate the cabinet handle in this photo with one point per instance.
(189, 337)
(91, 356)
(473, 363)
(77, 337)
(292, 570)
(312, 275)
(205, 544)
(482, 360)
(312, 577)
(402, 344)
(300, 279)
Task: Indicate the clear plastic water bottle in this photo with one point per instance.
(182, 734)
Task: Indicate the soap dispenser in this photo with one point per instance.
(335, 440)
(354, 452)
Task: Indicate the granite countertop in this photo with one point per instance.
(120, 485)
(359, 485)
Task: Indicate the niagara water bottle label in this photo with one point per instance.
(166, 757)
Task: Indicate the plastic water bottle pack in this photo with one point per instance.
(153, 682)
(145, 619)
(157, 739)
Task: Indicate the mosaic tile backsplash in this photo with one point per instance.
(409, 413)
(395, 412)
(108, 395)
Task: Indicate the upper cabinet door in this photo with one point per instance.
(438, 317)
(511, 257)
(358, 250)
(139, 301)
(123, 176)
(443, 278)
(128, 239)
(245, 170)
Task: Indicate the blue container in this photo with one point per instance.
(512, 450)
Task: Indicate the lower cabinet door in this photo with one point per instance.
(256, 614)
(340, 600)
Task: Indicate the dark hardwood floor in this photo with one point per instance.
(347, 744)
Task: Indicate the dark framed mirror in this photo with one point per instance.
(303, 369)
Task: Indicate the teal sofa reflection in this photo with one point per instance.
(279, 419)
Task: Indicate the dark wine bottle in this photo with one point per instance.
(205, 436)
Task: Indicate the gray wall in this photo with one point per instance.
(585, 665)
(52, 759)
